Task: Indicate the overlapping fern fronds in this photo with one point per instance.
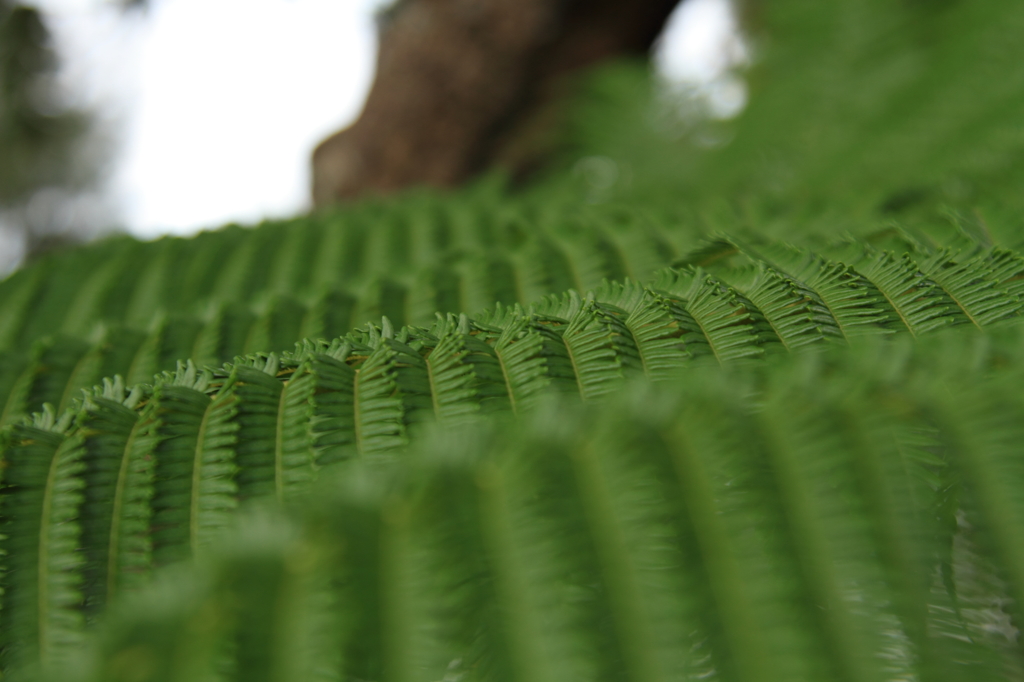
(794, 523)
(782, 296)
(164, 467)
(753, 415)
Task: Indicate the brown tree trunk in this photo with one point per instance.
(465, 85)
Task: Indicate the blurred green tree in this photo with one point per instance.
(42, 138)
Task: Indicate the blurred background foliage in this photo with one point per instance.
(44, 143)
(37, 136)
(862, 116)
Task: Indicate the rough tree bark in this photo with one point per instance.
(464, 85)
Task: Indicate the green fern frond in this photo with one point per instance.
(392, 392)
(20, 292)
(223, 336)
(88, 302)
(854, 305)
(45, 377)
(813, 486)
(598, 343)
(264, 467)
(857, 307)
(984, 453)
(330, 429)
(974, 287)
(435, 289)
(171, 339)
(920, 304)
(726, 526)
(194, 490)
(795, 313)
(533, 356)
(733, 330)
(118, 476)
(666, 335)
(40, 500)
(466, 377)
(799, 297)
(328, 317)
(277, 328)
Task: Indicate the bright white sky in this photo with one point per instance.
(215, 105)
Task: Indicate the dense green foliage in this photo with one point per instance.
(752, 413)
(835, 516)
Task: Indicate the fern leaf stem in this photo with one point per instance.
(43, 562)
(618, 572)
(357, 422)
(197, 477)
(113, 567)
(505, 377)
(521, 624)
(279, 444)
(747, 649)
